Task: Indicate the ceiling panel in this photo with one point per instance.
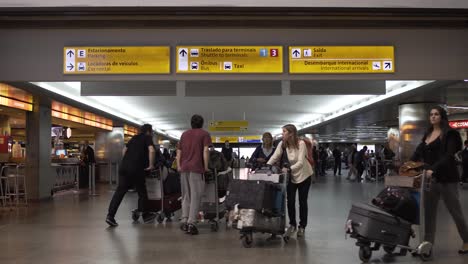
(232, 88)
(143, 88)
(341, 87)
(266, 105)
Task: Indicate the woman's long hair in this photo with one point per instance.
(293, 139)
(444, 123)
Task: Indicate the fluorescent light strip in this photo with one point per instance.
(405, 87)
(85, 101)
(458, 107)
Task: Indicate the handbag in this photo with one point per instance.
(411, 168)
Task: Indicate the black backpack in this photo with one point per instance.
(399, 202)
(172, 183)
(217, 161)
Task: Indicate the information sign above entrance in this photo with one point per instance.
(341, 59)
(229, 59)
(116, 60)
(228, 125)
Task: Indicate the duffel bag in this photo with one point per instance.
(399, 202)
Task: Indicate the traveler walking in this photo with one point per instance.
(337, 156)
(437, 150)
(192, 163)
(301, 171)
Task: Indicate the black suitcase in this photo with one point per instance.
(172, 183)
(257, 195)
(172, 203)
(209, 210)
(371, 223)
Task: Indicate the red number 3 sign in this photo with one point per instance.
(273, 52)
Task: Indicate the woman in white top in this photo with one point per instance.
(300, 171)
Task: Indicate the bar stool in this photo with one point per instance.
(16, 178)
(3, 196)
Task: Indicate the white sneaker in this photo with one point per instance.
(290, 231)
(301, 232)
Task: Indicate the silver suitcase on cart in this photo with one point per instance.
(250, 219)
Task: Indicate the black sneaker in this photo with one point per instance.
(149, 217)
(184, 227)
(192, 230)
(111, 221)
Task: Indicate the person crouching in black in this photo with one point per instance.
(138, 160)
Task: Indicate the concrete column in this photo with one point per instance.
(108, 147)
(40, 177)
(414, 121)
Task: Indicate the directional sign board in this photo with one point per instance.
(223, 139)
(235, 139)
(341, 59)
(229, 59)
(250, 139)
(116, 60)
(223, 126)
(459, 124)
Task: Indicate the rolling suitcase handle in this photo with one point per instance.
(425, 186)
(425, 248)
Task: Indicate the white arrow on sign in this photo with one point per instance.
(183, 59)
(388, 65)
(70, 60)
(70, 67)
(296, 53)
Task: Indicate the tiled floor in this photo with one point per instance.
(71, 229)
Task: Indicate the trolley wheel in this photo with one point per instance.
(135, 215)
(160, 218)
(365, 253)
(214, 226)
(389, 249)
(247, 240)
(426, 257)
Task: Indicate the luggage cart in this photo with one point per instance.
(213, 210)
(423, 249)
(250, 221)
(160, 201)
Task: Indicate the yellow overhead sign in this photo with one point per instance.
(116, 60)
(227, 129)
(223, 139)
(250, 139)
(232, 139)
(229, 59)
(341, 59)
(224, 126)
(231, 123)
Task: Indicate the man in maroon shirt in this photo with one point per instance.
(192, 162)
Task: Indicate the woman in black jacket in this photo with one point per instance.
(437, 150)
(263, 152)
